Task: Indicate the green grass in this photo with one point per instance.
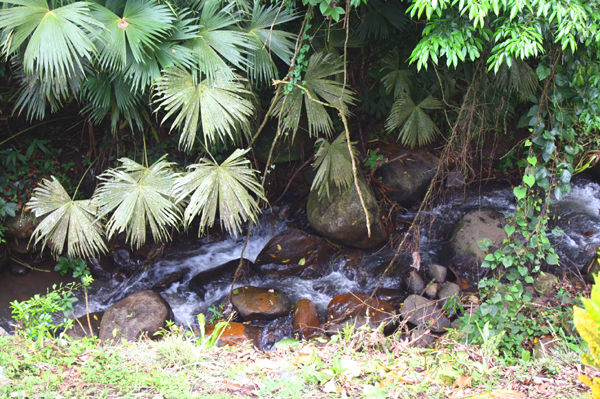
(358, 364)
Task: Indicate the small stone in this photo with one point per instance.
(421, 338)
(344, 306)
(257, 303)
(78, 332)
(448, 290)
(418, 311)
(415, 282)
(235, 334)
(544, 283)
(3, 333)
(438, 273)
(545, 346)
(306, 318)
(432, 290)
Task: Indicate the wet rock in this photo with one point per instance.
(341, 218)
(21, 225)
(167, 281)
(18, 269)
(101, 267)
(295, 253)
(345, 306)
(418, 311)
(3, 333)
(211, 278)
(392, 296)
(438, 273)
(462, 251)
(408, 176)
(432, 290)
(448, 290)
(121, 257)
(235, 334)
(142, 313)
(257, 303)
(414, 282)
(20, 245)
(286, 150)
(78, 332)
(351, 264)
(306, 318)
(544, 283)
(275, 331)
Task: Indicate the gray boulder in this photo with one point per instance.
(418, 311)
(408, 176)
(21, 225)
(462, 251)
(341, 218)
(544, 283)
(448, 290)
(438, 273)
(142, 313)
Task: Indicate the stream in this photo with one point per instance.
(579, 218)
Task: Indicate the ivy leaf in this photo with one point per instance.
(520, 192)
(484, 244)
(509, 230)
(529, 180)
(552, 259)
(532, 160)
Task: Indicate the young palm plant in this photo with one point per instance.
(333, 164)
(416, 127)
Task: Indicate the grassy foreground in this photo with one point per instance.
(361, 363)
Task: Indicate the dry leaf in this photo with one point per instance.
(463, 381)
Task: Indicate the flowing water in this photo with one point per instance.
(579, 218)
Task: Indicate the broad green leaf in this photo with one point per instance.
(227, 188)
(66, 221)
(139, 196)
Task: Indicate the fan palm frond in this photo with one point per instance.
(226, 188)
(113, 96)
(519, 78)
(398, 80)
(374, 22)
(218, 106)
(333, 164)
(138, 196)
(216, 42)
(58, 40)
(265, 39)
(142, 26)
(319, 87)
(417, 126)
(67, 220)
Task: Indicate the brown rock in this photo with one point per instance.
(392, 296)
(306, 318)
(257, 303)
(78, 332)
(21, 225)
(352, 305)
(235, 334)
(295, 253)
(144, 312)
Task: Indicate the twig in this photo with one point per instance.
(26, 265)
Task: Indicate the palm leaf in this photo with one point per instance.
(374, 22)
(417, 126)
(226, 188)
(138, 196)
(142, 26)
(333, 164)
(398, 80)
(216, 42)
(316, 83)
(519, 78)
(58, 40)
(217, 106)
(73, 222)
(265, 39)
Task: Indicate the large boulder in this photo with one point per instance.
(21, 225)
(462, 251)
(142, 313)
(419, 311)
(408, 175)
(295, 253)
(355, 305)
(341, 218)
(257, 303)
(213, 277)
(81, 327)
